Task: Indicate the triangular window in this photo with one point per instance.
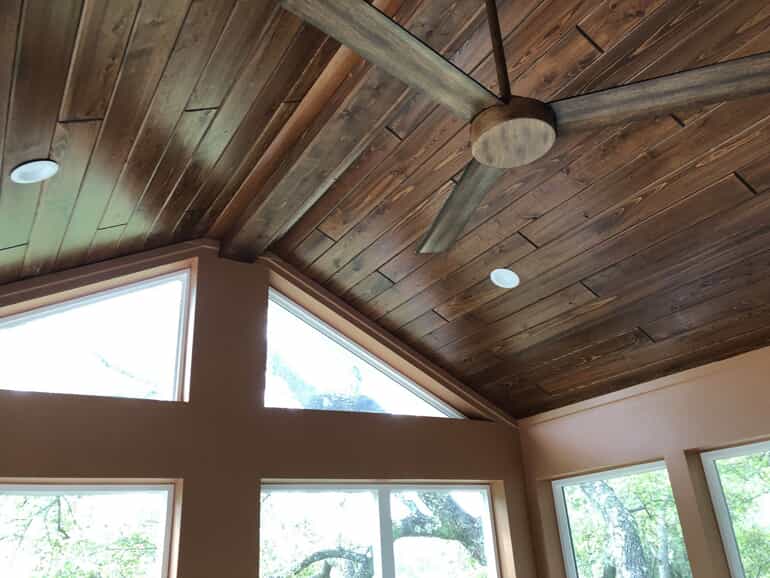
(123, 342)
(312, 366)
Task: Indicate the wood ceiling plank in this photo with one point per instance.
(201, 29)
(400, 236)
(459, 351)
(580, 360)
(616, 151)
(268, 50)
(72, 146)
(421, 326)
(219, 189)
(313, 246)
(105, 242)
(659, 368)
(721, 242)
(10, 19)
(11, 260)
(231, 53)
(663, 221)
(382, 146)
(572, 54)
(326, 94)
(181, 216)
(373, 284)
(709, 335)
(105, 28)
(743, 300)
(407, 157)
(668, 157)
(153, 37)
(283, 203)
(476, 271)
(654, 39)
(613, 21)
(757, 174)
(396, 206)
(45, 42)
(187, 134)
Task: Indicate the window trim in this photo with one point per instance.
(383, 490)
(85, 487)
(96, 293)
(719, 501)
(348, 344)
(560, 504)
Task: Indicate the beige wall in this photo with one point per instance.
(222, 443)
(674, 419)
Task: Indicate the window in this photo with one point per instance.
(124, 342)
(383, 531)
(739, 480)
(93, 531)
(622, 523)
(312, 366)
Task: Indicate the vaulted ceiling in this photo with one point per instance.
(643, 249)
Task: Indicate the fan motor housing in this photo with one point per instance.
(513, 134)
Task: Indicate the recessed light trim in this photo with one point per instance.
(504, 278)
(34, 172)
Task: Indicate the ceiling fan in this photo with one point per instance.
(510, 131)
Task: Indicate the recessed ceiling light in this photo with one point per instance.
(34, 172)
(505, 278)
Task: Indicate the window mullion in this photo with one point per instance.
(386, 534)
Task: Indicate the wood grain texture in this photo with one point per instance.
(731, 80)
(105, 27)
(643, 247)
(390, 47)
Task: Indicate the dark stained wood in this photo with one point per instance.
(650, 98)
(643, 247)
(45, 42)
(155, 31)
(231, 54)
(105, 27)
(476, 182)
(384, 43)
(498, 50)
(10, 17)
(72, 145)
(172, 164)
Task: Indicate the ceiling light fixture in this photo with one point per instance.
(34, 172)
(504, 278)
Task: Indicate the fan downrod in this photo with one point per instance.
(513, 134)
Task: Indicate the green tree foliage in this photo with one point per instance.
(746, 484)
(627, 528)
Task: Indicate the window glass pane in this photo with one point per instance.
(625, 526)
(120, 343)
(329, 533)
(307, 369)
(439, 533)
(745, 481)
(82, 533)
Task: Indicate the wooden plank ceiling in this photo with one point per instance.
(642, 249)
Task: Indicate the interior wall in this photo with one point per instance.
(223, 442)
(674, 419)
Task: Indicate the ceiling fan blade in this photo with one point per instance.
(381, 41)
(476, 181)
(726, 81)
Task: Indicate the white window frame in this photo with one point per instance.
(386, 552)
(721, 509)
(562, 516)
(325, 329)
(86, 489)
(185, 275)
